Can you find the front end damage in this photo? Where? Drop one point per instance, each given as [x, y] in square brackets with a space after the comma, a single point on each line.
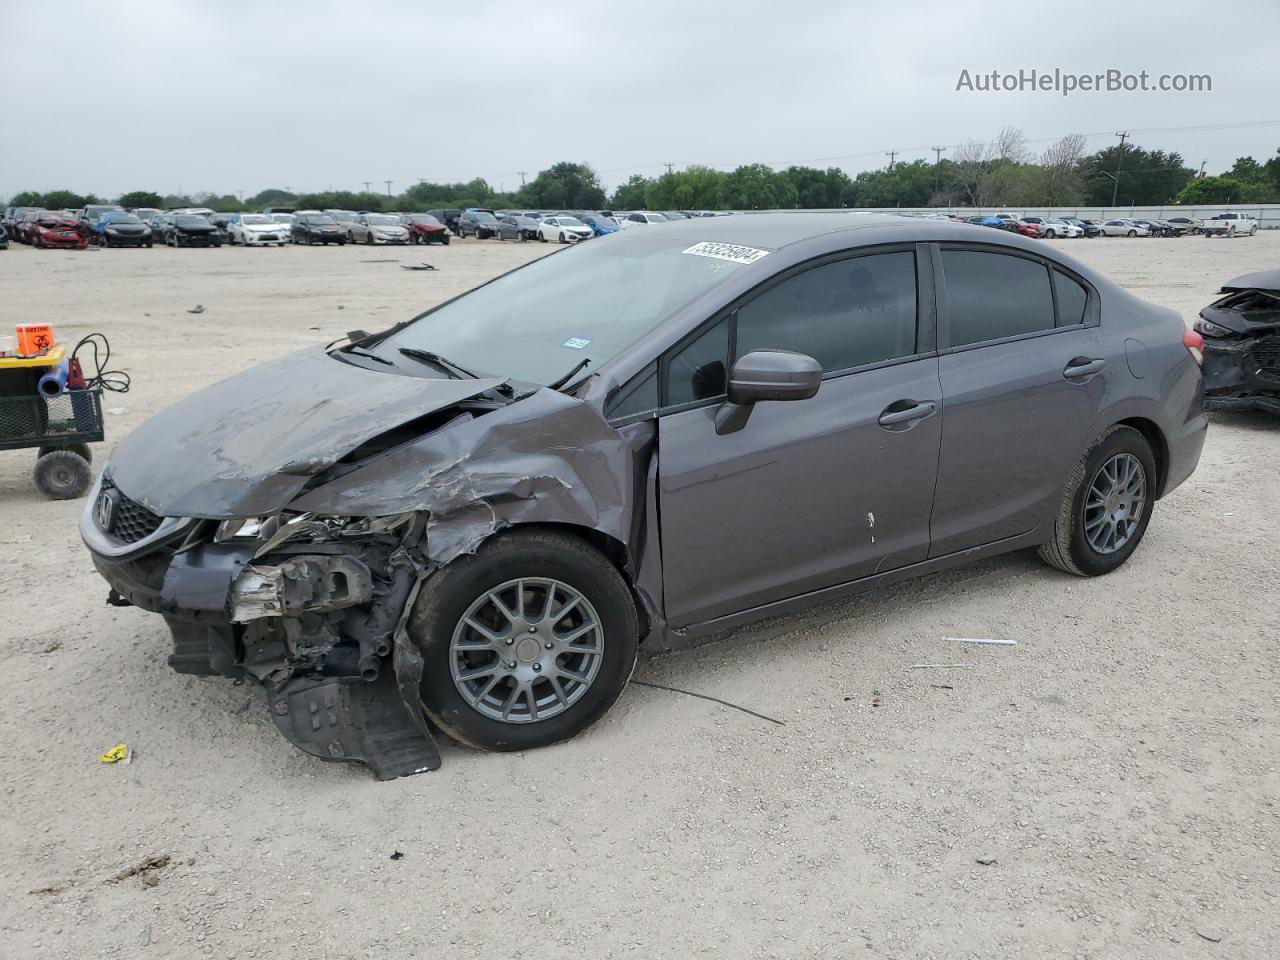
[295, 561]
[1241, 333]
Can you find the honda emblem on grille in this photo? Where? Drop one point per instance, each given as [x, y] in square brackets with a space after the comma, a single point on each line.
[106, 510]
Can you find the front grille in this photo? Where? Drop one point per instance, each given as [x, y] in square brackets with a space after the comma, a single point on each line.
[1266, 354]
[130, 521]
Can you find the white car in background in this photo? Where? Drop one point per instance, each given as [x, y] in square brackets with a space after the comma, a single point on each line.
[563, 230]
[1052, 228]
[374, 228]
[285, 220]
[1124, 227]
[641, 216]
[255, 230]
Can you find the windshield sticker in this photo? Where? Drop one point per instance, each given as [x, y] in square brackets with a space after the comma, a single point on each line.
[727, 251]
[575, 343]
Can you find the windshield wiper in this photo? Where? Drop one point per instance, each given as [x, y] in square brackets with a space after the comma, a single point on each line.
[569, 376]
[351, 349]
[426, 356]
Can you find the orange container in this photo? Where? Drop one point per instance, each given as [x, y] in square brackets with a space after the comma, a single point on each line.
[34, 338]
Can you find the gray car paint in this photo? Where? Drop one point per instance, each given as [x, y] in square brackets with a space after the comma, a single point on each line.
[810, 499]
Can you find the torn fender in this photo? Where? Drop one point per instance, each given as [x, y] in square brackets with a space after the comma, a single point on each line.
[547, 458]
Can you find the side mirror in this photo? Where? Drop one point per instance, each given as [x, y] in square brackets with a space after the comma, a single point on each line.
[766, 375]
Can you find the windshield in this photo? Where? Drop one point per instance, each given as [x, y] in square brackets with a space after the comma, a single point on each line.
[191, 221]
[485, 218]
[115, 218]
[591, 302]
[282, 217]
[321, 219]
[425, 220]
[254, 218]
[344, 215]
[383, 221]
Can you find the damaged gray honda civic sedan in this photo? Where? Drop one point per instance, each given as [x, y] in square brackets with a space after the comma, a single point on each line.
[469, 522]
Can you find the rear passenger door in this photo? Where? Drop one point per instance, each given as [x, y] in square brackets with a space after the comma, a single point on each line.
[809, 493]
[1024, 378]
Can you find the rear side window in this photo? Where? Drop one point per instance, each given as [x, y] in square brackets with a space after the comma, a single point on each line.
[1072, 299]
[991, 296]
[844, 314]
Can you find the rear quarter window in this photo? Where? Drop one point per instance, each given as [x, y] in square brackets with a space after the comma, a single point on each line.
[992, 296]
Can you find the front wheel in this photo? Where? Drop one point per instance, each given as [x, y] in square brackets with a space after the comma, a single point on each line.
[1106, 505]
[1132, 233]
[527, 642]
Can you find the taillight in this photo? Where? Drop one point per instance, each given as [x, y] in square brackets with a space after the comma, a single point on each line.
[1194, 344]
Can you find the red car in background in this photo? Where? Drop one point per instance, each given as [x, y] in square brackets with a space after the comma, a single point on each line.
[424, 228]
[49, 229]
[1028, 229]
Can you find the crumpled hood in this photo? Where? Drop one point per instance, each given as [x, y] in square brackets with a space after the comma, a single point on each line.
[247, 445]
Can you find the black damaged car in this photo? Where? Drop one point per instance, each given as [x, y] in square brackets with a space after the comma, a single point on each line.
[312, 228]
[190, 230]
[1241, 333]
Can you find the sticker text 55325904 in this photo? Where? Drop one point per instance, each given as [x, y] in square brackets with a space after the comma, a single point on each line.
[732, 252]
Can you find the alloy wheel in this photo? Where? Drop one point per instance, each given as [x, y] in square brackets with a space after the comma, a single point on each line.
[527, 650]
[1114, 503]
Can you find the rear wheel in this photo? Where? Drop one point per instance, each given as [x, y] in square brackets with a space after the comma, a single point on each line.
[1132, 233]
[527, 642]
[1106, 505]
[62, 475]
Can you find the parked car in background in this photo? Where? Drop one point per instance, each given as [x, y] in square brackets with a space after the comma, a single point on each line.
[25, 224]
[312, 228]
[1124, 227]
[1055, 227]
[643, 216]
[986, 221]
[256, 230]
[4, 235]
[374, 228]
[122, 230]
[563, 230]
[87, 217]
[449, 217]
[1229, 225]
[13, 216]
[600, 225]
[1241, 333]
[1184, 225]
[477, 223]
[285, 520]
[526, 226]
[505, 228]
[424, 228]
[192, 230]
[49, 229]
[160, 225]
[146, 214]
[1158, 228]
[285, 221]
[1027, 229]
[1088, 228]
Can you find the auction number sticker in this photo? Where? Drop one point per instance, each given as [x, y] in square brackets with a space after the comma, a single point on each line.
[732, 252]
[575, 343]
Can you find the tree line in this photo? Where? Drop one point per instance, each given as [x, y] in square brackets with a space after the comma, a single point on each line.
[1003, 172]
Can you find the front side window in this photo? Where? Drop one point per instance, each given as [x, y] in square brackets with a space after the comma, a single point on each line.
[991, 296]
[844, 314]
[699, 369]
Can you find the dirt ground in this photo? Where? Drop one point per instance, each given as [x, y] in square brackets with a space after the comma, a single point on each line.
[1119, 763]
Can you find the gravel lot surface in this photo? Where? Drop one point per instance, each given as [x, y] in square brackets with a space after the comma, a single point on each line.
[1117, 768]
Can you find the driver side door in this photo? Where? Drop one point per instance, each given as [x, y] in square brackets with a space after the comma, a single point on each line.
[809, 493]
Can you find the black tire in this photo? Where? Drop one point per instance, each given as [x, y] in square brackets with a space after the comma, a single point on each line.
[82, 449]
[446, 596]
[1253, 230]
[62, 475]
[444, 241]
[1132, 233]
[1069, 549]
[562, 239]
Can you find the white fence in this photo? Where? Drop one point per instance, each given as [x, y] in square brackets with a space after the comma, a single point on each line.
[1267, 214]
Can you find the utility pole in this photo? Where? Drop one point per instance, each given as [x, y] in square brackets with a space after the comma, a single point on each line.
[367, 185]
[1115, 188]
[1201, 173]
[522, 173]
[891, 154]
[668, 165]
[388, 183]
[937, 159]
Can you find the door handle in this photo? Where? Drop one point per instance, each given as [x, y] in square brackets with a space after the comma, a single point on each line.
[1080, 367]
[916, 411]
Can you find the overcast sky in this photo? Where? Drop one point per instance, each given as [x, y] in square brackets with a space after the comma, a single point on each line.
[234, 96]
